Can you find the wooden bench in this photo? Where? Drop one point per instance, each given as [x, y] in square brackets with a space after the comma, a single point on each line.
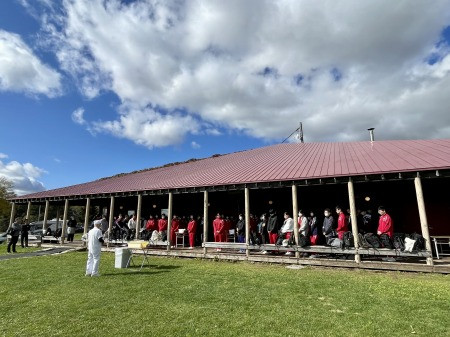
[317, 249]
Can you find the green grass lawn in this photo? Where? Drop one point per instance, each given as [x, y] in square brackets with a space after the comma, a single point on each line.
[19, 249]
[50, 296]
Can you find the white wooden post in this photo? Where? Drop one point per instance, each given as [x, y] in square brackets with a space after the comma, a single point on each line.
[13, 214]
[64, 225]
[351, 198]
[205, 220]
[44, 223]
[247, 220]
[169, 221]
[86, 218]
[28, 211]
[295, 216]
[423, 218]
[111, 220]
[138, 216]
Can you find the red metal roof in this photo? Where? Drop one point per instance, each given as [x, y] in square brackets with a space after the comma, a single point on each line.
[277, 163]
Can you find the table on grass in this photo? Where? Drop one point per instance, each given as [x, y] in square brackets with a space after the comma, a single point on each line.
[140, 246]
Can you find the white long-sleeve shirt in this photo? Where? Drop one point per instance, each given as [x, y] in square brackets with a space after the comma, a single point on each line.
[288, 226]
[132, 224]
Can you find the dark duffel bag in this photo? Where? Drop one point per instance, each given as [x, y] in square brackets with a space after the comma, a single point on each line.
[386, 241]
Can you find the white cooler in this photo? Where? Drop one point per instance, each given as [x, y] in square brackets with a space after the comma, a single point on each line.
[122, 257]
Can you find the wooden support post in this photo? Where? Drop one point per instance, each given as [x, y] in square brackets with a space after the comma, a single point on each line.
[351, 199]
[247, 220]
[205, 220]
[295, 216]
[169, 221]
[44, 223]
[138, 216]
[423, 218]
[57, 218]
[13, 214]
[64, 225]
[111, 220]
[86, 218]
[27, 217]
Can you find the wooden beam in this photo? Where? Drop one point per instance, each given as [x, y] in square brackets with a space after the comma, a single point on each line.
[111, 220]
[423, 217]
[205, 219]
[295, 215]
[354, 223]
[64, 225]
[247, 220]
[138, 216]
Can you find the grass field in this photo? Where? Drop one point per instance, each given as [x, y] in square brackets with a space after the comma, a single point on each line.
[50, 296]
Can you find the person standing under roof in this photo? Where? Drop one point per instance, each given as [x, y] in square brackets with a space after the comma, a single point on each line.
[240, 228]
[24, 233]
[14, 231]
[162, 226]
[192, 227]
[132, 227]
[342, 223]
[385, 223]
[175, 226]
[303, 224]
[288, 228]
[328, 226]
[314, 228]
[71, 226]
[105, 224]
[218, 225]
[95, 241]
[272, 227]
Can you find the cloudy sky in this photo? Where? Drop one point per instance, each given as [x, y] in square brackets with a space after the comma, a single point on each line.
[91, 88]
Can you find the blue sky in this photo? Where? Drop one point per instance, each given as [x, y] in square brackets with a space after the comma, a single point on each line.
[90, 88]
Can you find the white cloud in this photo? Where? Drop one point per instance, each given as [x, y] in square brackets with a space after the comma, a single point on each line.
[3, 156]
[78, 116]
[22, 71]
[148, 127]
[23, 176]
[260, 67]
[195, 145]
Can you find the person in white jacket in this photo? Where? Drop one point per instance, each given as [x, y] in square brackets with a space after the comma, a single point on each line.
[95, 241]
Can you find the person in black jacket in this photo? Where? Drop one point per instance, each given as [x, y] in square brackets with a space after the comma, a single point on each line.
[71, 227]
[24, 233]
[14, 231]
[328, 226]
[272, 227]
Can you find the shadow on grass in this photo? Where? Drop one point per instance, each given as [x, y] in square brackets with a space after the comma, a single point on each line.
[146, 270]
[136, 272]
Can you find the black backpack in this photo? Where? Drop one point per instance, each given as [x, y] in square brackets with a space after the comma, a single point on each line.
[399, 241]
[280, 239]
[349, 241]
[303, 241]
[386, 241]
[420, 241]
[371, 241]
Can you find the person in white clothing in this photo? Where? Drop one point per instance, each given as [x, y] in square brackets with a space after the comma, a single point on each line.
[288, 228]
[95, 241]
[131, 228]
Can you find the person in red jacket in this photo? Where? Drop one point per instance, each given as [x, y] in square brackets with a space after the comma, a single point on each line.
[173, 231]
[385, 224]
[192, 227]
[151, 224]
[218, 225]
[162, 224]
[342, 223]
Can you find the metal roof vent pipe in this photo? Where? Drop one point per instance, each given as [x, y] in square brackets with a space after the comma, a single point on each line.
[372, 138]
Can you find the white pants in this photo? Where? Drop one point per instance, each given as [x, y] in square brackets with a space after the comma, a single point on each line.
[92, 263]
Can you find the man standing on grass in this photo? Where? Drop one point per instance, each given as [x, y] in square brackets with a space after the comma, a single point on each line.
[95, 240]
